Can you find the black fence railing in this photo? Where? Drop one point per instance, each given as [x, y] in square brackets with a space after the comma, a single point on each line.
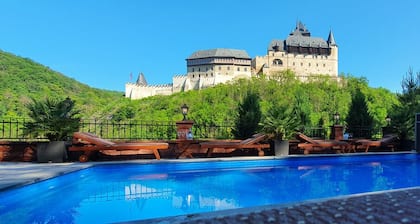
[353, 132]
[12, 129]
[317, 132]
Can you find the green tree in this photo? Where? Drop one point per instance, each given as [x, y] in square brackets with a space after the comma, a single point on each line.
[359, 118]
[249, 116]
[403, 115]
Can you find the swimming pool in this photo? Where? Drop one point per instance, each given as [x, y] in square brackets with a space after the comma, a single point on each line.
[124, 192]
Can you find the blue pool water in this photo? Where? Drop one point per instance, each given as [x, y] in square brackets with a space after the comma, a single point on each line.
[124, 192]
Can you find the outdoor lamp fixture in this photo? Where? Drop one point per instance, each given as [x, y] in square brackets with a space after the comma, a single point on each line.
[336, 117]
[388, 120]
[184, 110]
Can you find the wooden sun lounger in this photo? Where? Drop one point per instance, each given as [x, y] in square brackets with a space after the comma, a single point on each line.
[230, 146]
[386, 142]
[89, 143]
[309, 144]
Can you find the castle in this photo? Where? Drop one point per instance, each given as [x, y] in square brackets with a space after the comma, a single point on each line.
[305, 55]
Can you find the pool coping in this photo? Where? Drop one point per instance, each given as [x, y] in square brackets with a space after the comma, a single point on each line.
[391, 206]
[17, 174]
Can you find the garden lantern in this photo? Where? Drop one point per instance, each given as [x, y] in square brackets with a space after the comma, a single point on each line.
[336, 117]
[388, 121]
[184, 110]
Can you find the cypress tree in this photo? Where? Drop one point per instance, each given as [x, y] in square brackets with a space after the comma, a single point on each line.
[248, 117]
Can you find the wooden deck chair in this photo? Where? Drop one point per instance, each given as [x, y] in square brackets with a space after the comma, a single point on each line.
[88, 143]
[309, 144]
[385, 142]
[229, 146]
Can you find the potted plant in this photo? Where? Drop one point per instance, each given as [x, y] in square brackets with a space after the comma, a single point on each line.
[56, 120]
[279, 124]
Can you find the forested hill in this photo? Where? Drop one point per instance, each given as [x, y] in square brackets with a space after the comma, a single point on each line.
[317, 99]
[22, 79]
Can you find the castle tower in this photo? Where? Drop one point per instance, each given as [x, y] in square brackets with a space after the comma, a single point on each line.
[334, 49]
[300, 52]
[206, 68]
[141, 80]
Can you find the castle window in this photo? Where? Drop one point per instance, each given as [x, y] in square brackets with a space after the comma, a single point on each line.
[301, 64]
[193, 71]
[277, 62]
[294, 64]
[199, 69]
[239, 69]
[228, 68]
[220, 68]
[193, 76]
[324, 65]
[309, 64]
[245, 69]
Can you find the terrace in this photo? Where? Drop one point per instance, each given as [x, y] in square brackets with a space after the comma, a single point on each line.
[390, 206]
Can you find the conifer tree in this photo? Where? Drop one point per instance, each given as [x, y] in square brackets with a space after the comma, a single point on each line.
[248, 117]
[359, 120]
[403, 115]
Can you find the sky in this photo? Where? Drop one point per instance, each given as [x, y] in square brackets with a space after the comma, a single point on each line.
[107, 43]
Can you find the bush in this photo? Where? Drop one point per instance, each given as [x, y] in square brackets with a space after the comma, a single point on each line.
[52, 118]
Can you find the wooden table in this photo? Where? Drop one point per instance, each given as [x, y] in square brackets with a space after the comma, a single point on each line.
[185, 148]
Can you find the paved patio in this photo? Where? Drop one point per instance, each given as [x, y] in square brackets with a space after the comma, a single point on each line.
[15, 174]
[396, 206]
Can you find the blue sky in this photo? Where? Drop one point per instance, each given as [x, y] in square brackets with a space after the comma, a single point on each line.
[100, 42]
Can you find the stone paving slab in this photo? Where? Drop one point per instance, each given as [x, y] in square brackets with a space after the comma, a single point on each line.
[15, 174]
[396, 206]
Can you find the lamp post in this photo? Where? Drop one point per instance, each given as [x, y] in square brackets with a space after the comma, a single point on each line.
[336, 117]
[184, 110]
[388, 121]
[387, 129]
[183, 127]
[336, 129]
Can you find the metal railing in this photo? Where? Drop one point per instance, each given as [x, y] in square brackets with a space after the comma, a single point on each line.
[12, 129]
[354, 132]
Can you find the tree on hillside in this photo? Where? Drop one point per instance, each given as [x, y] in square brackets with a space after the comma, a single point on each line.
[249, 116]
[403, 114]
[359, 121]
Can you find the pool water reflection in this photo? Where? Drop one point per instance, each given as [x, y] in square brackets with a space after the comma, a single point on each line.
[124, 192]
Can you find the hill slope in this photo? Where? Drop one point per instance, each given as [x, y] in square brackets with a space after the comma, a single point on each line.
[22, 79]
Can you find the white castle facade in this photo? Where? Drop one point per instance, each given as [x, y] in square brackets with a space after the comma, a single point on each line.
[305, 55]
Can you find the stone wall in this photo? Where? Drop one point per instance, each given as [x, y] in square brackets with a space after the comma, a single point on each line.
[302, 64]
[17, 151]
[135, 91]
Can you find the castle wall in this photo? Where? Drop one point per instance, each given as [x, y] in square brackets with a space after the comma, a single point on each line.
[206, 71]
[134, 91]
[302, 64]
[179, 83]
